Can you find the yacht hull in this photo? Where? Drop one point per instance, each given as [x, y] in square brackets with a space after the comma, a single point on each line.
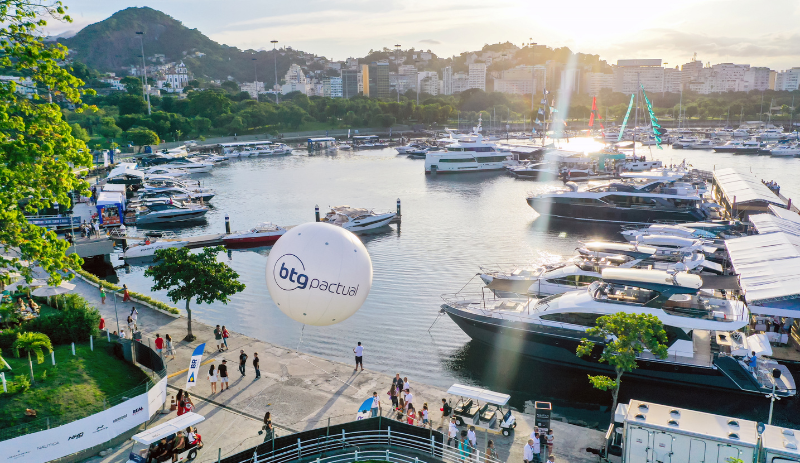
[591, 213]
[171, 217]
[558, 346]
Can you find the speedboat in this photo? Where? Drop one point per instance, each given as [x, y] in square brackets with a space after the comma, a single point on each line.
[263, 234]
[149, 248]
[632, 234]
[785, 151]
[467, 155]
[168, 213]
[279, 149]
[696, 323]
[357, 220]
[176, 193]
[738, 147]
[162, 171]
[192, 167]
[535, 170]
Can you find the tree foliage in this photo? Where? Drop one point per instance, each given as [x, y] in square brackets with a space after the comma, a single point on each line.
[625, 336]
[198, 276]
[37, 148]
[142, 137]
[32, 343]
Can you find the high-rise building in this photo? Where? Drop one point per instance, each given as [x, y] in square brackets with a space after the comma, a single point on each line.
[378, 73]
[757, 78]
[477, 76]
[633, 73]
[365, 80]
[349, 83]
[518, 81]
[332, 87]
[596, 81]
[673, 80]
[428, 82]
[252, 88]
[447, 80]
[460, 82]
[788, 80]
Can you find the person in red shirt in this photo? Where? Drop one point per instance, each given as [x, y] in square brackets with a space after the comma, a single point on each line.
[159, 345]
[102, 323]
[126, 295]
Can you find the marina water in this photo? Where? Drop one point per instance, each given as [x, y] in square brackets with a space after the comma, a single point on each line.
[451, 224]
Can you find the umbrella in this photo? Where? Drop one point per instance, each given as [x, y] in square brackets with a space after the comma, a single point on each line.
[48, 291]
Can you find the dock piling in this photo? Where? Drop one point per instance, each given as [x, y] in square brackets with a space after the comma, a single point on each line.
[316, 212]
[227, 224]
[398, 207]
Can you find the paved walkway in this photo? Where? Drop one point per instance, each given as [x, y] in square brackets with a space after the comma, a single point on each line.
[301, 391]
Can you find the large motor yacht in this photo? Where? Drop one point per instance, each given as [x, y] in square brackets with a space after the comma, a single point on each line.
[704, 347]
[357, 219]
[467, 155]
[657, 200]
[168, 213]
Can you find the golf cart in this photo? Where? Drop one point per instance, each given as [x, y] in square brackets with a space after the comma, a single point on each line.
[482, 408]
[146, 442]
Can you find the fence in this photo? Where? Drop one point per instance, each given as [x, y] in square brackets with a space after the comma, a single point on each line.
[370, 439]
[145, 356]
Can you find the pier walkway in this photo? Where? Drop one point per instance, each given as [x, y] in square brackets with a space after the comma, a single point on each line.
[300, 390]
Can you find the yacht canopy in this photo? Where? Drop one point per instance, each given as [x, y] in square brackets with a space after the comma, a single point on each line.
[747, 189]
[769, 268]
[483, 395]
[656, 277]
[785, 213]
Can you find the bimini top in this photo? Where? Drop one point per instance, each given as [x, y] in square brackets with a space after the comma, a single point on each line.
[746, 188]
[651, 278]
[484, 395]
[169, 428]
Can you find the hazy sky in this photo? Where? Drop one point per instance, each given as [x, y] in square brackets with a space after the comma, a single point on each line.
[740, 31]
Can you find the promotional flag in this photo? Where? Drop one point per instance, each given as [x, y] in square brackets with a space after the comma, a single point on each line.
[194, 365]
[594, 111]
[348, 133]
[625, 121]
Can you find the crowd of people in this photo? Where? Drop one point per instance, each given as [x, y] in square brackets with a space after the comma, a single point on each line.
[772, 185]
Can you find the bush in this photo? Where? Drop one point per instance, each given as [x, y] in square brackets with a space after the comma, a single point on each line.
[98, 281]
[21, 383]
[7, 337]
[153, 302]
[74, 323]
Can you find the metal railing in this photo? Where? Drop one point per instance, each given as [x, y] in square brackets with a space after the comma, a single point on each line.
[145, 356]
[387, 445]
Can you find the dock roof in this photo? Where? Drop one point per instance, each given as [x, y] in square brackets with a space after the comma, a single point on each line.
[747, 189]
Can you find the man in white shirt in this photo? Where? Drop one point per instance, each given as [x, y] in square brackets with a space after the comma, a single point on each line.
[408, 398]
[536, 446]
[527, 452]
[359, 351]
[376, 404]
[452, 433]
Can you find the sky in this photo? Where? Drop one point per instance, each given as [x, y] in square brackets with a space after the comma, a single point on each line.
[719, 31]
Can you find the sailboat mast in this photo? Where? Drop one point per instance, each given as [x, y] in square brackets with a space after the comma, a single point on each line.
[636, 115]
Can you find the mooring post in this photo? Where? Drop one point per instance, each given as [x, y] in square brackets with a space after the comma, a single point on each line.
[316, 212]
[227, 224]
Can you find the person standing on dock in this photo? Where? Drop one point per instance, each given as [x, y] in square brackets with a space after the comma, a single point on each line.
[218, 338]
[223, 375]
[452, 431]
[446, 410]
[102, 295]
[242, 362]
[159, 342]
[527, 452]
[134, 315]
[537, 447]
[256, 365]
[376, 405]
[225, 335]
[359, 351]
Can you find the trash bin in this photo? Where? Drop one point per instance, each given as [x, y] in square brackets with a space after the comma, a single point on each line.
[543, 411]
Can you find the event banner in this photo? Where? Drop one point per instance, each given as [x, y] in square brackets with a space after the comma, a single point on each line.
[194, 365]
[87, 432]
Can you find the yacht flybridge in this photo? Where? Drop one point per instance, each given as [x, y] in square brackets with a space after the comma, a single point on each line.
[468, 154]
[704, 348]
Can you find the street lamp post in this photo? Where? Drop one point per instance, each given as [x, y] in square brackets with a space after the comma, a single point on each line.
[397, 62]
[772, 397]
[275, 58]
[533, 76]
[146, 94]
[255, 76]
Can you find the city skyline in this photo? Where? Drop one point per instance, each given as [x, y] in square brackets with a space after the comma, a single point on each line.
[619, 29]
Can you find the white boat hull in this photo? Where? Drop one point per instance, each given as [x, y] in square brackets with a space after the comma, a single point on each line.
[369, 223]
[146, 250]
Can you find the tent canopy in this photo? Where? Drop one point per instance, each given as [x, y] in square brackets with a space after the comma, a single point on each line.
[745, 188]
[484, 395]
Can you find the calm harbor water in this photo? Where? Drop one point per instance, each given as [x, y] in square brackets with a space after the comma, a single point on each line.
[451, 224]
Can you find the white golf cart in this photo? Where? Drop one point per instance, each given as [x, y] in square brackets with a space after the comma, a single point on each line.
[482, 408]
[146, 443]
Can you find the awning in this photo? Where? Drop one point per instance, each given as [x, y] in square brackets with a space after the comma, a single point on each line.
[483, 395]
[167, 429]
[747, 189]
[729, 282]
[768, 223]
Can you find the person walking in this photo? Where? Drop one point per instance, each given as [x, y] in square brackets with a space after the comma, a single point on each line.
[223, 375]
[491, 452]
[242, 362]
[425, 421]
[126, 295]
[188, 405]
[102, 295]
[410, 414]
[463, 446]
[170, 347]
[452, 432]
[359, 351]
[256, 365]
[218, 338]
[135, 317]
[376, 405]
[473, 438]
[159, 342]
[537, 447]
[267, 427]
[179, 402]
[130, 324]
[393, 395]
[446, 411]
[225, 335]
[97, 229]
[527, 452]
[212, 378]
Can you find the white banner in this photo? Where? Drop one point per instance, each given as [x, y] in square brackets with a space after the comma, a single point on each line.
[194, 366]
[87, 432]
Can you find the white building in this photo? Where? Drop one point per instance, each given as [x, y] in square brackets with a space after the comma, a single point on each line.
[633, 73]
[757, 78]
[460, 82]
[177, 78]
[518, 81]
[24, 85]
[114, 82]
[332, 87]
[253, 88]
[403, 82]
[788, 80]
[447, 80]
[428, 82]
[477, 76]
[296, 81]
[596, 81]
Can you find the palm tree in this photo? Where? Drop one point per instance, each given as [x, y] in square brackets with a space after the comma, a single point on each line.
[32, 342]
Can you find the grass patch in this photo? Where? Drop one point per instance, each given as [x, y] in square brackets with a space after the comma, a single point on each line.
[76, 385]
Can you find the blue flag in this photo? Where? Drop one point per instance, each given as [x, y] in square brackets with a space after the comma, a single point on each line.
[194, 366]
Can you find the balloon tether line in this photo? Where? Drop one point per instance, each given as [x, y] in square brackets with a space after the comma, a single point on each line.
[301, 338]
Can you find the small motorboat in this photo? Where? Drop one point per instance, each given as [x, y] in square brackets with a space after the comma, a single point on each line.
[148, 248]
[534, 170]
[357, 220]
[263, 234]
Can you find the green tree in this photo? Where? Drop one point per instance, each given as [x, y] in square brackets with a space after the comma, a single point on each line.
[187, 275]
[142, 137]
[108, 128]
[231, 86]
[209, 103]
[132, 104]
[133, 85]
[79, 132]
[32, 342]
[624, 337]
[37, 149]
[201, 124]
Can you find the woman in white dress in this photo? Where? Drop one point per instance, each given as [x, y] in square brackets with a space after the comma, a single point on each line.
[170, 347]
[212, 378]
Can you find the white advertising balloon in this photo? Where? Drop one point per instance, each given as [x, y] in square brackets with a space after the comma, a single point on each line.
[319, 274]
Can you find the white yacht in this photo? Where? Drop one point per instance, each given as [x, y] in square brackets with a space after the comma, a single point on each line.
[162, 171]
[774, 133]
[470, 154]
[176, 193]
[785, 151]
[187, 165]
[169, 213]
[280, 149]
[357, 219]
[697, 322]
[148, 248]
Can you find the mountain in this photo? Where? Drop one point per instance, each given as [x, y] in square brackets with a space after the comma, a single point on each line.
[112, 45]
